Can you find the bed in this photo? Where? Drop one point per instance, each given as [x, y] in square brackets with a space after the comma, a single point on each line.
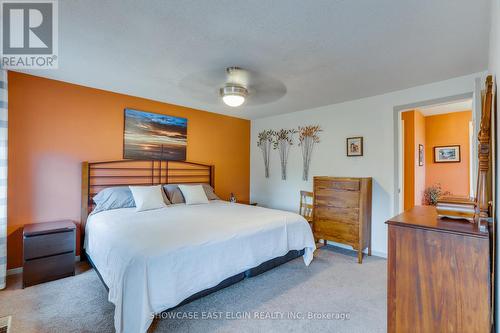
[152, 261]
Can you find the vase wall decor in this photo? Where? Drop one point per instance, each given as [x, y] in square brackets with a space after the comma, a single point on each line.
[265, 139]
[283, 140]
[308, 137]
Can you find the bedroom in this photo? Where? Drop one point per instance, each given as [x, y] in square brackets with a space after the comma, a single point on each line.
[322, 85]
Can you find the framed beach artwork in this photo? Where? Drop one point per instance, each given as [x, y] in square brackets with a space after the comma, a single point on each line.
[354, 146]
[153, 136]
[447, 154]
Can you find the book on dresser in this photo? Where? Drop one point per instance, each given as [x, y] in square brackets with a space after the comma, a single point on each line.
[342, 211]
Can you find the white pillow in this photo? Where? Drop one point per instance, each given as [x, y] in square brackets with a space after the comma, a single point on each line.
[147, 197]
[193, 194]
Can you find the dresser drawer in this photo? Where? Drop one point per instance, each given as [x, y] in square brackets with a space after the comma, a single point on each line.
[37, 246]
[48, 268]
[336, 198]
[337, 231]
[337, 214]
[346, 185]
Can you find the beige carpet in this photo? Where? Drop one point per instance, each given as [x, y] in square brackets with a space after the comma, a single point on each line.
[333, 285]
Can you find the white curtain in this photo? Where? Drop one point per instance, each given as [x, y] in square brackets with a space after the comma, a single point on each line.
[3, 177]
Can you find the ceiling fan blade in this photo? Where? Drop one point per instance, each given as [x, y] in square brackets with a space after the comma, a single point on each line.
[204, 86]
[263, 89]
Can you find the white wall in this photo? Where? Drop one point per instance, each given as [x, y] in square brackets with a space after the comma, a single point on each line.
[371, 118]
[494, 60]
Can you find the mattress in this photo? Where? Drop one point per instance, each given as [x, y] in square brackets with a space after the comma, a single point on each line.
[153, 260]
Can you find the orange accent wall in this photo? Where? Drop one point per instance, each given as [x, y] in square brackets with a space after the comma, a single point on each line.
[443, 130]
[54, 126]
[420, 171]
[414, 175]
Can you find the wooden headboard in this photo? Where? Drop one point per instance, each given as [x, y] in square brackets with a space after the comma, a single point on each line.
[100, 175]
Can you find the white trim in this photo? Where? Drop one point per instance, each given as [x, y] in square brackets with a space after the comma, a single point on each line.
[19, 270]
[476, 122]
[471, 160]
[401, 166]
[14, 271]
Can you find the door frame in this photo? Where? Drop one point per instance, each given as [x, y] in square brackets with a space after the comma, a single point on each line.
[398, 140]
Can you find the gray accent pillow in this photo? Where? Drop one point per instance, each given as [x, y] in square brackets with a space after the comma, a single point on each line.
[113, 198]
[175, 195]
[210, 192]
[117, 197]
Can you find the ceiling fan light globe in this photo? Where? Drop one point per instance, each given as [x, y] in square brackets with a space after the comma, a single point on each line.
[233, 100]
[233, 95]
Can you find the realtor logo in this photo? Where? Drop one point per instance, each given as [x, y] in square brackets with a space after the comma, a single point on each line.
[29, 34]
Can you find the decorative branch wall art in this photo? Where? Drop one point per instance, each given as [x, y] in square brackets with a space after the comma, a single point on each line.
[308, 136]
[265, 139]
[283, 140]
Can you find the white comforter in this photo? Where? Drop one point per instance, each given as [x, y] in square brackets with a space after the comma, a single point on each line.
[153, 260]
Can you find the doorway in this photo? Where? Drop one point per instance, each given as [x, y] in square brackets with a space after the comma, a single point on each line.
[436, 148]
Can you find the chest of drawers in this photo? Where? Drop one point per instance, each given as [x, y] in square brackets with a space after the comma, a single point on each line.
[342, 211]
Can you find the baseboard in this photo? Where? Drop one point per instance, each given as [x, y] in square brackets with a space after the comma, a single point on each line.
[14, 271]
[19, 270]
[347, 247]
[379, 254]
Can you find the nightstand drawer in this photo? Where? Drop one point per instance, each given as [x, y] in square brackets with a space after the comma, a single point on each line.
[37, 246]
[49, 268]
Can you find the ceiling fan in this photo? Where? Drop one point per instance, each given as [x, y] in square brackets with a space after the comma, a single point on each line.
[234, 86]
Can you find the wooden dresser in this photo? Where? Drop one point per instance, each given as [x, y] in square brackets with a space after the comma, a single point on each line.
[438, 274]
[343, 211]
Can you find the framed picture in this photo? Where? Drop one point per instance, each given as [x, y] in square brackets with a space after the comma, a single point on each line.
[420, 155]
[355, 146]
[152, 136]
[447, 154]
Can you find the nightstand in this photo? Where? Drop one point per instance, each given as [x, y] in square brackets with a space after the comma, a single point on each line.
[48, 251]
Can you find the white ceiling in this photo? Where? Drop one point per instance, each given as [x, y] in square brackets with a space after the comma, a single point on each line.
[458, 106]
[323, 51]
